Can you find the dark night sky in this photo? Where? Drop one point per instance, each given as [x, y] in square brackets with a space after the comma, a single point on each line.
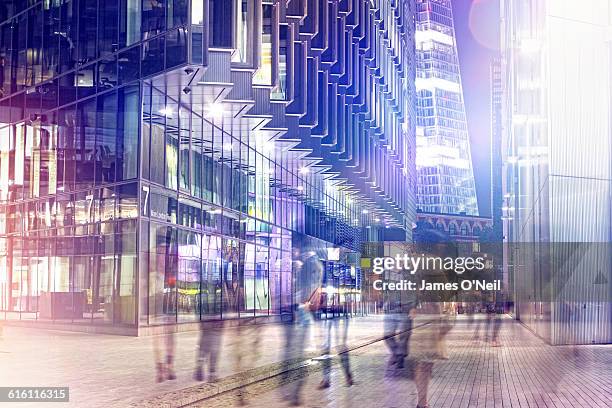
[477, 31]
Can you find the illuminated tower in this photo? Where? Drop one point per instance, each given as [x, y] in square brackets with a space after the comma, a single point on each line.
[444, 163]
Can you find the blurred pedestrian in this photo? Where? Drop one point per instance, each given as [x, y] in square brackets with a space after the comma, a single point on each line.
[209, 344]
[397, 330]
[336, 329]
[309, 273]
[247, 349]
[164, 301]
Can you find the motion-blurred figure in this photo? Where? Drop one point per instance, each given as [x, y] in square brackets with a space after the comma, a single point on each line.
[397, 330]
[247, 349]
[494, 323]
[163, 345]
[164, 301]
[427, 344]
[295, 340]
[339, 326]
[309, 272]
[209, 344]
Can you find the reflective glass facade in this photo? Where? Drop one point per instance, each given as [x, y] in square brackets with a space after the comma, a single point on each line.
[444, 161]
[175, 161]
[557, 170]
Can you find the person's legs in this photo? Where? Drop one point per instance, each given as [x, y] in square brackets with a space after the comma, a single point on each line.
[405, 330]
[344, 352]
[213, 354]
[198, 373]
[296, 334]
[326, 350]
[170, 353]
[390, 328]
[496, 326]
[422, 376]
[158, 353]
[302, 334]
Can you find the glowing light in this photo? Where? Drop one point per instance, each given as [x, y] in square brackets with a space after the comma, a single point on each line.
[166, 111]
[215, 110]
[512, 159]
[330, 289]
[264, 145]
[227, 147]
[304, 170]
[482, 22]
[300, 188]
[364, 211]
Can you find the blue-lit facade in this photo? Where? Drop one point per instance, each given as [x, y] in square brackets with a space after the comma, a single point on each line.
[176, 161]
[557, 173]
[444, 161]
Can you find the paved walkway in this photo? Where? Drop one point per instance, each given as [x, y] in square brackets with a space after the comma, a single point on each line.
[104, 371]
[521, 372]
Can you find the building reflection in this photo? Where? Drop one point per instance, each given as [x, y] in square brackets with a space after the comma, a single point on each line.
[136, 135]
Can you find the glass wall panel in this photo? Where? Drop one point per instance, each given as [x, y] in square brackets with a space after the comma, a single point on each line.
[230, 278]
[85, 143]
[68, 35]
[153, 17]
[244, 16]
[162, 274]
[108, 27]
[220, 18]
[152, 60]
[88, 23]
[188, 278]
[106, 150]
[261, 292]
[143, 273]
[171, 112]
[34, 44]
[129, 65]
[264, 74]
[211, 290]
[177, 11]
[176, 47]
[129, 22]
[82, 267]
[128, 104]
[104, 276]
[184, 148]
[158, 143]
[125, 290]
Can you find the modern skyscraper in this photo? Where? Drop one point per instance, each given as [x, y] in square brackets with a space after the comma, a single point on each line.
[182, 161]
[444, 163]
[557, 65]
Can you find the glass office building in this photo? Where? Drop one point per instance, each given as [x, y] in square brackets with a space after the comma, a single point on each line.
[444, 160]
[556, 112]
[178, 161]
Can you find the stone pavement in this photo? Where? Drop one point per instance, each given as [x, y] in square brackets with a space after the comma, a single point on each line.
[105, 370]
[521, 372]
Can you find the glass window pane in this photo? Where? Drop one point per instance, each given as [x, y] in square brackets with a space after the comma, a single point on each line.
[127, 132]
